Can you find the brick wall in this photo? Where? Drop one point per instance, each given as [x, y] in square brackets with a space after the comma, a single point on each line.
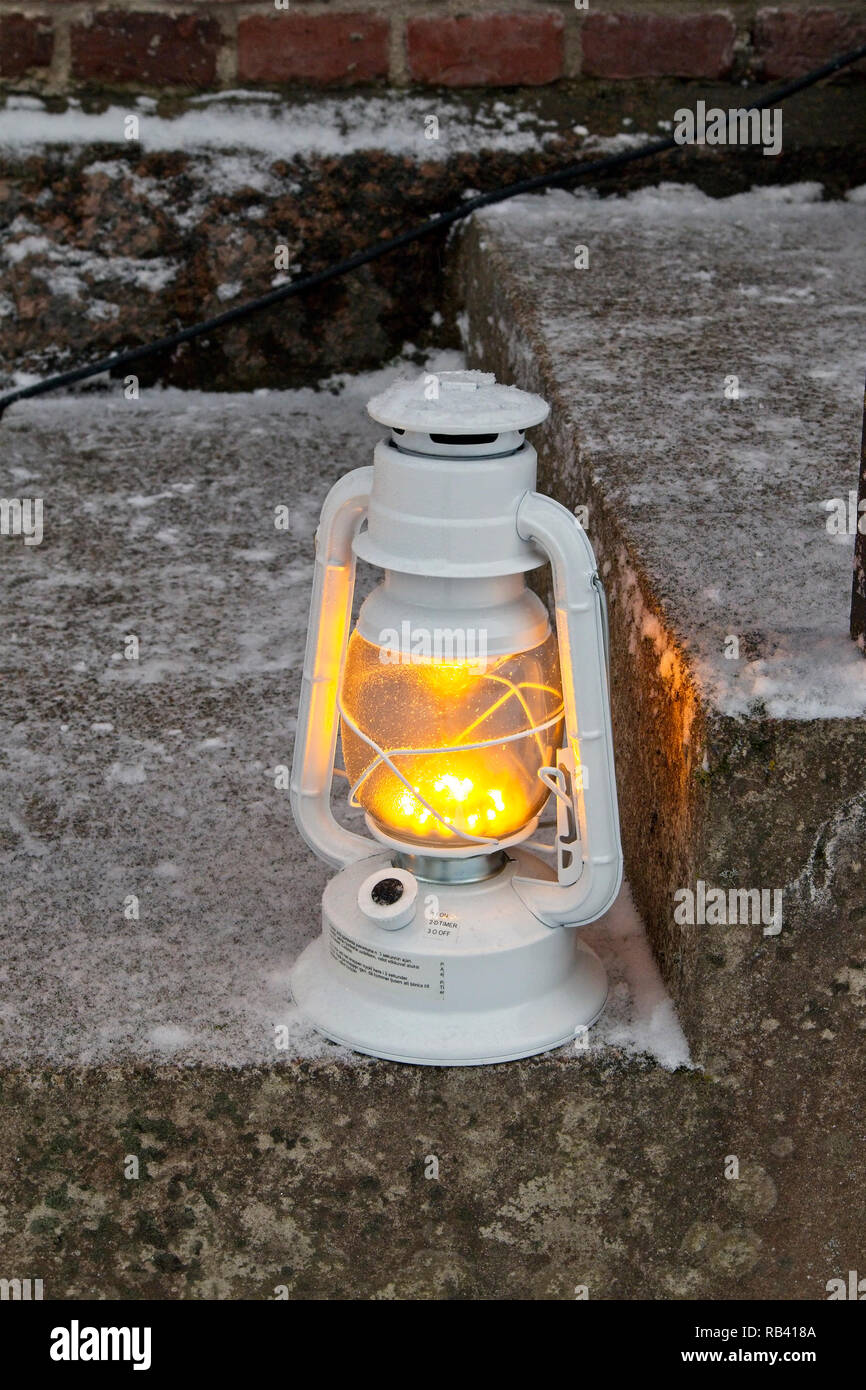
[154, 45]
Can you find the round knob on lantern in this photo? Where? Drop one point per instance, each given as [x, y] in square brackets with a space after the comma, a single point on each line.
[388, 898]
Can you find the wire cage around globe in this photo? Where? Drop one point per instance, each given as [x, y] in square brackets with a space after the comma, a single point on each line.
[445, 754]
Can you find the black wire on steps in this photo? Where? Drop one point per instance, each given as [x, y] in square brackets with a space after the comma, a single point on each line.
[569, 173]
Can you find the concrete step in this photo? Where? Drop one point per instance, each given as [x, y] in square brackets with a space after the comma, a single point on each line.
[129, 779]
[305, 1169]
[124, 219]
[738, 696]
[161, 895]
[152, 1039]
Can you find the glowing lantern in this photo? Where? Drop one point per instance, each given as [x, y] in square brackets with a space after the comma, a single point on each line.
[461, 714]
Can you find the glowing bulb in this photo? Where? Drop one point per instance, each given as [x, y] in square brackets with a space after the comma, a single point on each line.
[459, 787]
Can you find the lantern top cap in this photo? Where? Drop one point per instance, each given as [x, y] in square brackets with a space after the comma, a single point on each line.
[463, 402]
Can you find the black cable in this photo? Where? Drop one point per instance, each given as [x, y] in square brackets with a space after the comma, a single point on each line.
[383, 248]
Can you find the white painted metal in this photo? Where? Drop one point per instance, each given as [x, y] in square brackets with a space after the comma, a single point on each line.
[464, 402]
[589, 735]
[450, 517]
[327, 634]
[474, 978]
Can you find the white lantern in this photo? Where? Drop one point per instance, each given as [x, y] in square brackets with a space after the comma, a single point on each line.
[445, 939]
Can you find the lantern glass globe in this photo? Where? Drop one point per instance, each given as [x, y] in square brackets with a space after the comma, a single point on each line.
[444, 753]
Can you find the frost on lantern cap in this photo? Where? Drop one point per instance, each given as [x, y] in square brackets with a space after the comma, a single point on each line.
[460, 403]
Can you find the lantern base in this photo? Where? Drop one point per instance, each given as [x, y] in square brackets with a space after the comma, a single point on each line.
[475, 978]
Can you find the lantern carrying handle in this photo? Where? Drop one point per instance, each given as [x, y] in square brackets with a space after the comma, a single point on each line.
[327, 635]
[589, 853]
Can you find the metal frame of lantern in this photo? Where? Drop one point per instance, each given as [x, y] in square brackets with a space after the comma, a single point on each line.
[458, 950]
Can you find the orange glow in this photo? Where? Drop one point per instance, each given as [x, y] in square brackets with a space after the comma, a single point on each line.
[464, 799]
[486, 793]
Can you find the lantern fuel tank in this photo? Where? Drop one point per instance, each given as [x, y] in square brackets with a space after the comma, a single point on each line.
[462, 711]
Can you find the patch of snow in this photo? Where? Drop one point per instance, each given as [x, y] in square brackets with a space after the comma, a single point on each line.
[168, 1038]
[261, 557]
[101, 310]
[233, 94]
[64, 267]
[395, 122]
[640, 1018]
[16, 251]
[125, 775]
[807, 676]
[615, 144]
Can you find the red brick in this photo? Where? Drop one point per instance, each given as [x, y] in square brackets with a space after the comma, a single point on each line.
[319, 49]
[791, 42]
[24, 44]
[487, 50]
[157, 50]
[656, 45]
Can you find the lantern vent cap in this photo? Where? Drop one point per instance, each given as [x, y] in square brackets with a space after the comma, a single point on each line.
[457, 403]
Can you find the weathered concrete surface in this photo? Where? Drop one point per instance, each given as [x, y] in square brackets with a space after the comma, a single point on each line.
[598, 1171]
[125, 782]
[312, 1177]
[306, 1172]
[707, 518]
[107, 242]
